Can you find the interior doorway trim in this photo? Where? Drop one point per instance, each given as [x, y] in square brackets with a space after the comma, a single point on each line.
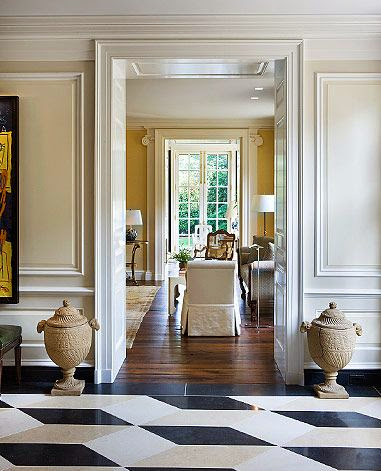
[161, 135]
[107, 361]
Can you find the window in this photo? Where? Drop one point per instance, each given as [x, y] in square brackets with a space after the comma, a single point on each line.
[204, 184]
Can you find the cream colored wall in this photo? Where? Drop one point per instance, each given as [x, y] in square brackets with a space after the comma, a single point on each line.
[56, 193]
[137, 188]
[342, 192]
[265, 176]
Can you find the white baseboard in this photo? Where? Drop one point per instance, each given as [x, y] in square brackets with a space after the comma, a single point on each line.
[142, 275]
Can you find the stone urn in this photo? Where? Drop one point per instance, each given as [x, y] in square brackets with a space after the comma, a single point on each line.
[67, 336]
[331, 342]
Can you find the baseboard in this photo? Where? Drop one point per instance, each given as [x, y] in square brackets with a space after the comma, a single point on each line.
[142, 275]
[44, 374]
[346, 377]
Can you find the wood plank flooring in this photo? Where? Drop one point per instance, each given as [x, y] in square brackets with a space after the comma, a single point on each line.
[161, 355]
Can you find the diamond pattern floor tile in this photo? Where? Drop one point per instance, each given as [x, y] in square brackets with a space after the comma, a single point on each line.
[74, 416]
[289, 432]
[205, 436]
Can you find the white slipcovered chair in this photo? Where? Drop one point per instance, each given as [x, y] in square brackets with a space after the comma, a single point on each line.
[210, 306]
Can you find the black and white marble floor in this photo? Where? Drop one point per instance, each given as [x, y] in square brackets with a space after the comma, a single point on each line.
[182, 432]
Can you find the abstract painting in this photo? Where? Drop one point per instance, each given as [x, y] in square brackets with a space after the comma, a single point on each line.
[9, 289]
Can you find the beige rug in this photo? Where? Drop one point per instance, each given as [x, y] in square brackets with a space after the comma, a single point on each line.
[139, 300]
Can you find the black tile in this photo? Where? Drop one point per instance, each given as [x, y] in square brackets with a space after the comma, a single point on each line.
[146, 389]
[333, 419]
[179, 469]
[4, 405]
[44, 454]
[74, 416]
[194, 389]
[193, 435]
[362, 391]
[27, 388]
[343, 458]
[205, 402]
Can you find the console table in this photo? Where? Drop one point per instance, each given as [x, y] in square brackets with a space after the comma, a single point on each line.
[136, 245]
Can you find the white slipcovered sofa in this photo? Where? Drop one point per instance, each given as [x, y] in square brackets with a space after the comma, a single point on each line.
[210, 305]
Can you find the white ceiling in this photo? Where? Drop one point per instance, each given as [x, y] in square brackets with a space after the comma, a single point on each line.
[184, 7]
[199, 99]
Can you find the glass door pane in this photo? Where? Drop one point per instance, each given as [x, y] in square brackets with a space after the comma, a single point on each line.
[218, 189]
[188, 198]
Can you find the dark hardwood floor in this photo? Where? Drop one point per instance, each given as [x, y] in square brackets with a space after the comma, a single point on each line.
[161, 355]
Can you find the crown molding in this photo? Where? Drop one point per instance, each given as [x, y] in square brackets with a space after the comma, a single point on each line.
[140, 124]
[191, 27]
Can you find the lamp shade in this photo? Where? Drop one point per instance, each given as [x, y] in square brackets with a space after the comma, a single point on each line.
[263, 203]
[134, 217]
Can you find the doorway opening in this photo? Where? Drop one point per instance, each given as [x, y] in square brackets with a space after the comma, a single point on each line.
[285, 89]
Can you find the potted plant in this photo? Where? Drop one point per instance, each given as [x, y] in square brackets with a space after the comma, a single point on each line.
[182, 256]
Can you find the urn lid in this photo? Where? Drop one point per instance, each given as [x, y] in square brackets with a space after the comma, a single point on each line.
[66, 316]
[332, 318]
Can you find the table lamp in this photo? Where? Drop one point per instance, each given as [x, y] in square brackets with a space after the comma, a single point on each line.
[133, 218]
[263, 204]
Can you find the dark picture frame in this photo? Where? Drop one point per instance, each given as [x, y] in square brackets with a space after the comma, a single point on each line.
[9, 199]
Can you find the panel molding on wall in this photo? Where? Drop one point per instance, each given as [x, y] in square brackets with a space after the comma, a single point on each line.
[34, 352]
[323, 267]
[76, 268]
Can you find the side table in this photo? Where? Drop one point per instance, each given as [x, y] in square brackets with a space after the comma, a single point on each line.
[176, 277]
[136, 245]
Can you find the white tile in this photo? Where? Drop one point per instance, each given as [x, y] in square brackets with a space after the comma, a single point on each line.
[216, 418]
[141, 410]
[129, 446]
[14, 421]
[86, 401]
[4, 464]
[266, 402]
[339, 437]
[278, 459]
[372, 409]
[203, 456]
[304, 403]
[273, 428]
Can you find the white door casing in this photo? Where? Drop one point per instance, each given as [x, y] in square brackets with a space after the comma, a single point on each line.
[110, 224]
[107, 51]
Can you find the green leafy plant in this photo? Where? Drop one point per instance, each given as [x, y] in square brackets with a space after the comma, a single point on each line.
[182, 256]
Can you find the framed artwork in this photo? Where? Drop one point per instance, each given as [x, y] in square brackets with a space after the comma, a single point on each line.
[9, 230]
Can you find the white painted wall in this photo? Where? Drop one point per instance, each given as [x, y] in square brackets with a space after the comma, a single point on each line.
[342, 195]
[356, 49]
[56, 194]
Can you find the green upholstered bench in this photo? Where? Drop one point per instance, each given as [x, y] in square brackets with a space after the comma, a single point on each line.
[10, 337]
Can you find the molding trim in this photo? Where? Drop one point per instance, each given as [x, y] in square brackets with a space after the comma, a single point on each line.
[343, 293]
[56, 291]
[190, 26]
[256, 139]
[77, 267]
[147, 139]
[322, 266]
[162, 123]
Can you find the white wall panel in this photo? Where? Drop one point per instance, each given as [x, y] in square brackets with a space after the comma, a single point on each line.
[56, 195]
[348, 205]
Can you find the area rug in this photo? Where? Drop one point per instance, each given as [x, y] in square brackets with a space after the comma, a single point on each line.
[138, 302]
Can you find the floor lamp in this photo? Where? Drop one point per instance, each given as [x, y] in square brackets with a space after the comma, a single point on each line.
[263, 204]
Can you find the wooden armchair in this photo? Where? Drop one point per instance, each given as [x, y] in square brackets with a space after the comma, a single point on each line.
[220, 245]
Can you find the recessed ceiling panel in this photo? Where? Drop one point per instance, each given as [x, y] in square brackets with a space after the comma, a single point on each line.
[188, 68]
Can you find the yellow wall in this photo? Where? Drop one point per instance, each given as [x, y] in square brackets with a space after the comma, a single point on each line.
[265, 176]
[137, 187]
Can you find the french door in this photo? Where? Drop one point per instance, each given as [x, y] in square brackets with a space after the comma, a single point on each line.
[204, 185]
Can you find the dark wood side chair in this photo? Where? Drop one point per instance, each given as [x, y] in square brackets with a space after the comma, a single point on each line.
[10, 337]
